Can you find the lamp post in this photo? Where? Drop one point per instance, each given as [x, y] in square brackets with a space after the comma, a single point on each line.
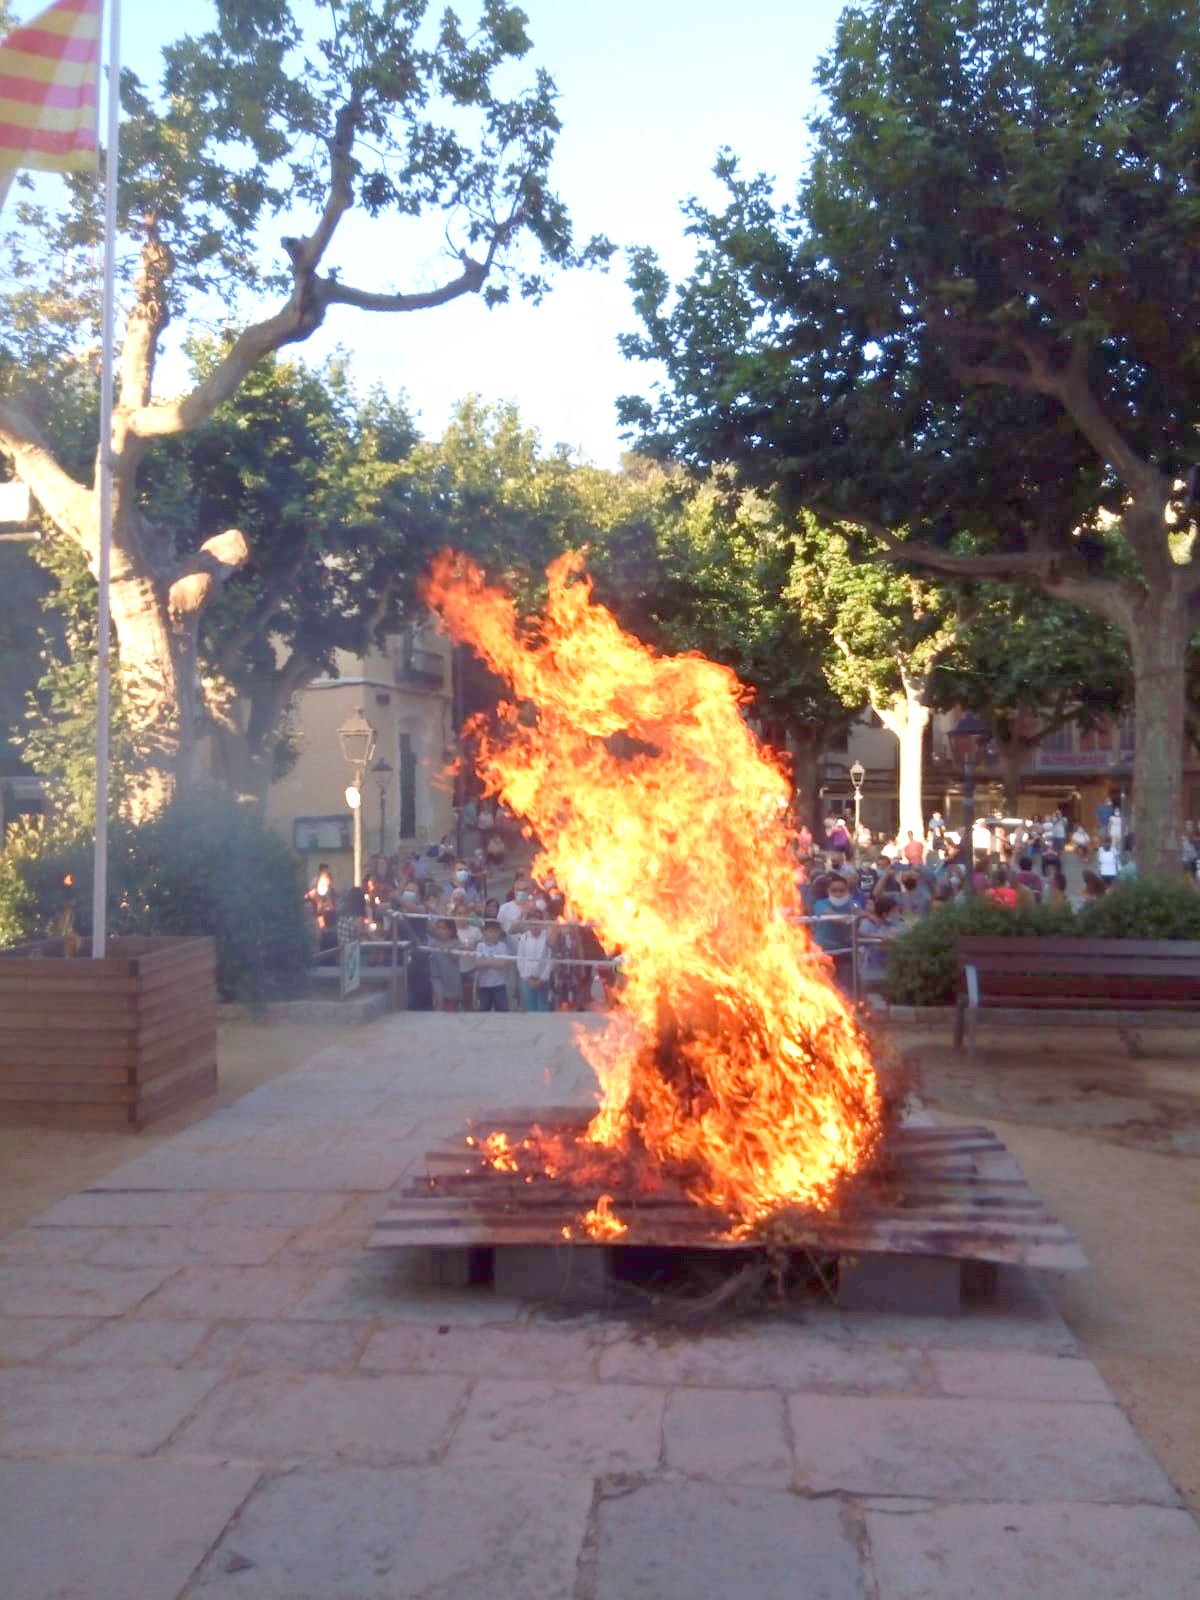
[357, 739]
[382, 771]
[969, 739]
[858, 775]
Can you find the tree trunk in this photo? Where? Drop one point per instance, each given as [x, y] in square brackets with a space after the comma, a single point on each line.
[153, 686]
[907, 716]
[1012, 759]
[1159, 645]
[806, 741]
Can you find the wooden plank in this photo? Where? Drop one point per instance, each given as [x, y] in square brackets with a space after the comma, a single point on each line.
[31, 1048]
[60, 1093]
[197, 1086]
[151, 1064]
[40, 1114]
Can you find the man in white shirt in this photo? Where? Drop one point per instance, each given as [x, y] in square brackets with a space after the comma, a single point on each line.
[514, 910]
[1108, 862]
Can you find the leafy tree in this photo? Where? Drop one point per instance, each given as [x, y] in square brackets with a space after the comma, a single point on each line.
[256, 121]
[977, 333]
[709, 572]
[891, 630]
[1029, 666]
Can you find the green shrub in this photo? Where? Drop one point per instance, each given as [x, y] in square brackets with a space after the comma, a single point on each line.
[921, 967]
[1136, 910]
[204, 866]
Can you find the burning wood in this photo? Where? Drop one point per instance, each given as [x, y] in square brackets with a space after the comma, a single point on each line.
[731, 1063]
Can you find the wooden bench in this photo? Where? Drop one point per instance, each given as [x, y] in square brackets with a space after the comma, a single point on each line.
[1126, 979]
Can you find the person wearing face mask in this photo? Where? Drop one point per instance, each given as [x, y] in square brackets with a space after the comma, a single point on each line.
[833, 936]
[460, 887]
[516, 908]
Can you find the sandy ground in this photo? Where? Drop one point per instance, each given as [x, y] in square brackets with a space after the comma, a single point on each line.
[1113, 1146]
[1111, 1143]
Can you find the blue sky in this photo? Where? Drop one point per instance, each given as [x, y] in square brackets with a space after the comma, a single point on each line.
[649, 90]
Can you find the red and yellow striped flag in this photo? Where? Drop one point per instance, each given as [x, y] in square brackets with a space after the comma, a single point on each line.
[49, 70]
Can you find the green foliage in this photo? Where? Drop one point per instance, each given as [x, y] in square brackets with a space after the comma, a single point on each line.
[921, 969]
[1143, 910]
[59, 738]
[202, 866]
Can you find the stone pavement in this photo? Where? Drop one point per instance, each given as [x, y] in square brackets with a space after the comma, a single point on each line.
[210, 1390]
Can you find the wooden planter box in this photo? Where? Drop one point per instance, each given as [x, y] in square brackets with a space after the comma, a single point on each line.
[115, 1043]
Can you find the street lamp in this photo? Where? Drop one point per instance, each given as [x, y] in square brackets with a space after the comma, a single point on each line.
[357, 739]
[969, 739]
[382, 770]
[858, 775]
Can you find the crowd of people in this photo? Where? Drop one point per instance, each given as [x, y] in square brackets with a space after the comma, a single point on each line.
[465, 949]
[860, 890]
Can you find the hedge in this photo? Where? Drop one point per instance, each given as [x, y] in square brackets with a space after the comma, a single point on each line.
[204, 866]
[922, 963]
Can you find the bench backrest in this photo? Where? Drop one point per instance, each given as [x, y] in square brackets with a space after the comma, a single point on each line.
[1111, 970]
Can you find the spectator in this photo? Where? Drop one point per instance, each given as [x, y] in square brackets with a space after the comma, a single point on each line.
[492, 966]
[836, 835]
[496, 849]
[516, 907]
[323, 904]
[1001, 892]
[1108, 862]
[1094, 886]
[937, 830]
[535, 965]
[880, 923]
[445, 966]
[413, 928]
[461, 886]
[1081, 839]
[1027, 878]
[913, 850]
[833, 937]
[914, 896]
[352, 918]
[1056, 888]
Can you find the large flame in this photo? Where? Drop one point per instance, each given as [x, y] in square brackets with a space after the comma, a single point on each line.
[730, 1060]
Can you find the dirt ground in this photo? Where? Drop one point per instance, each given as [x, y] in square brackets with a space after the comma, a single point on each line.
[1112, 1144]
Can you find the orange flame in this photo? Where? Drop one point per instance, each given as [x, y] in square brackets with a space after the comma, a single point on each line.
[68, 882]
[729, 1060]
[601, 1222]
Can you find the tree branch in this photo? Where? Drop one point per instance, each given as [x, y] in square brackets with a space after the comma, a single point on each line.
[212, 566]
[147, 320]
[68, 503]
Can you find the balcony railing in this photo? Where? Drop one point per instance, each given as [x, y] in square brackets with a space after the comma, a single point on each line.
[420, 669]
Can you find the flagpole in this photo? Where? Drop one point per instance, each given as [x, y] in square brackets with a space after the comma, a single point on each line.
[104, 473]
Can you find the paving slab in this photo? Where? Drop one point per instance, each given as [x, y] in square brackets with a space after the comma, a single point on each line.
[1017, 1375]
[503, 1352]
[972, 1450]
[784, 1358]
[95, 1411]
[76, 1290]
[113, 1530]
[373, 1420]
[241, 1168]
[679, 1541]
[731, 1435]
[135, 1342]
[178, 1247]
[52, 1245]
[1035, 1552]
[35, 1338]
[214, 1292]
[547, 1427]
[93, 1208]
[355, 1534]
[284, 1346]
[233, 1209]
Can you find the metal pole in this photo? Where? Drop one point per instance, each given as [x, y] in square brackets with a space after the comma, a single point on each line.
[104, 477]
[382, 816]
[358, 831]
[857, 811]
[969, 822]
[460, 781]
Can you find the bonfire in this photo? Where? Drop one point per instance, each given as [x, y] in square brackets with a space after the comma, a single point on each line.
[730, 1068]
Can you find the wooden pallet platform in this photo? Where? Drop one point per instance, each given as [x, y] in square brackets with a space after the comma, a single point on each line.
[954, 1193]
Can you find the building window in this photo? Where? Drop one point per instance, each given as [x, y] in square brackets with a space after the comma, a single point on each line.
[321, 833]
[1061, 742]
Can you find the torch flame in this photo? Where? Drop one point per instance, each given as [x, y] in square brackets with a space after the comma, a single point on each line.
[730, 1060]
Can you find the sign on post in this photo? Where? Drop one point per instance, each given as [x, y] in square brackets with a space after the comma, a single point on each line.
[351, 967]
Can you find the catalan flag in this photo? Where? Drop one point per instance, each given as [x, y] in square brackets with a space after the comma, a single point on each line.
[48, 90]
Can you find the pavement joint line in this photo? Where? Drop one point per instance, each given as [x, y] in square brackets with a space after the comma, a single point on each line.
[438, 1454]
[233, 1516]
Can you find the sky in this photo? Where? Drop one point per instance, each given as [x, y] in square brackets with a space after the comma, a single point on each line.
[650, 89]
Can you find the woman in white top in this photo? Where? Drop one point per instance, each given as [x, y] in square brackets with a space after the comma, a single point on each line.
[534, 966]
